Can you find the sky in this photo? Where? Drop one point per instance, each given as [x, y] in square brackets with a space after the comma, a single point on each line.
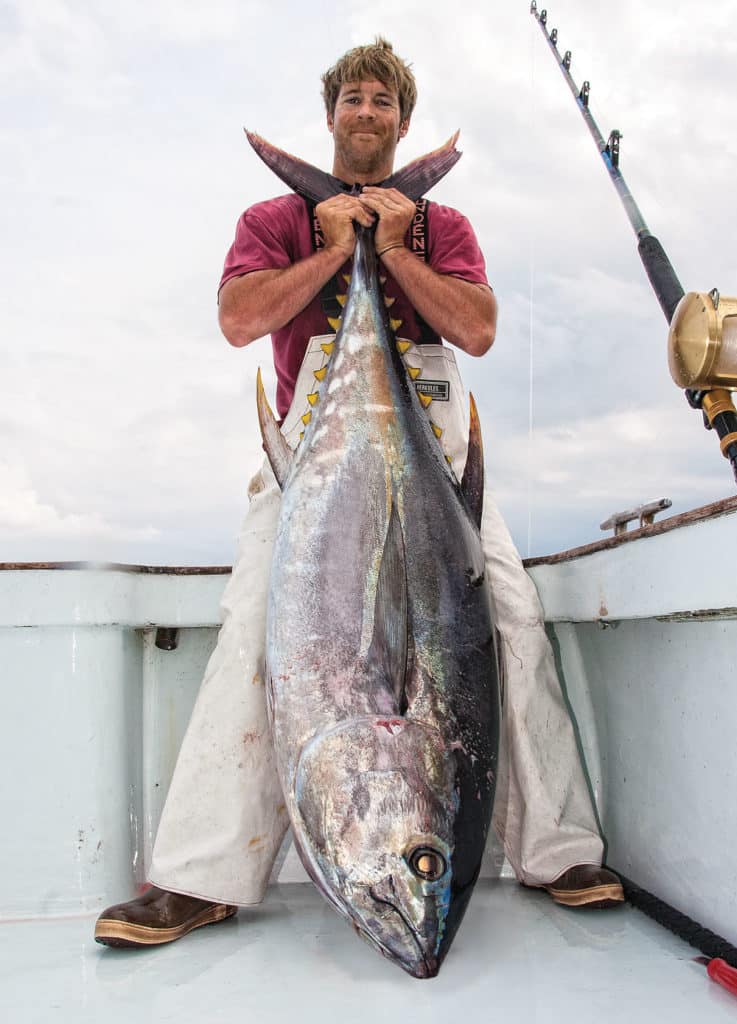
[128, 428]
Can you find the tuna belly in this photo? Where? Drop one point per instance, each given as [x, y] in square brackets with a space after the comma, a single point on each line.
[321, 605]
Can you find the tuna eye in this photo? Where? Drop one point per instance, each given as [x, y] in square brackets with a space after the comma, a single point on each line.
[427, 863]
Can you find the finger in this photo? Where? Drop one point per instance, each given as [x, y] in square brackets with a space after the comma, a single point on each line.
[360, 212]
[387, 194]
[347, 208]
[336, 202]
[377, 190]
[377, 204]
[388, 204]
[365, 217]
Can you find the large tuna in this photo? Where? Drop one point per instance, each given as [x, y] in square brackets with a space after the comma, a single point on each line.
[383, 683]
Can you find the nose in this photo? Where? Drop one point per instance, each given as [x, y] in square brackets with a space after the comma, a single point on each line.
[426, 968]
[365, 110]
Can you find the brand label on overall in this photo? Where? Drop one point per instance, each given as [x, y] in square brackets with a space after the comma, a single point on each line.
[438, 390]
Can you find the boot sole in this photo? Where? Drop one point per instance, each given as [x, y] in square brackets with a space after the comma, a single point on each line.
[110, 932]
[597, 896]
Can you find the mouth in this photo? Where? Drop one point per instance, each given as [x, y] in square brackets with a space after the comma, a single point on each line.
[428, 968]
[425, 965]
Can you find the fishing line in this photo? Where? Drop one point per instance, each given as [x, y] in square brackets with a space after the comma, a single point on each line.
[531, 376]
[531, 305]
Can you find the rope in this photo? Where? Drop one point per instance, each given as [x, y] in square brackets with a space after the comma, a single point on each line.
[695, 934]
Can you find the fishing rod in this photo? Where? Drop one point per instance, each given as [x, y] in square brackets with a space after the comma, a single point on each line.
[702, 341]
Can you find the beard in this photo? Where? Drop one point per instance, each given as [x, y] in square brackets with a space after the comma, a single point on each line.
[364, 159]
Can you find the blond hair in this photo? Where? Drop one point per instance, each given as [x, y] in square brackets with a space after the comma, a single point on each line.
[377, 61]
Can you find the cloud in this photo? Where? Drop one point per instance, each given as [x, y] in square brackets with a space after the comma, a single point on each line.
[559, 484]
[24, 514]
[129, 418]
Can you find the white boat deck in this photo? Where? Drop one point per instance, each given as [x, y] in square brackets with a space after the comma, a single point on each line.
[644, 629]
[517, 957]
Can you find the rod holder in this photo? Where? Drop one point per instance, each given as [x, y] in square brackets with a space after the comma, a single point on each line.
[167, 638]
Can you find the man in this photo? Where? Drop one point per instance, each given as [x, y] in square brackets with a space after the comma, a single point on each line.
[224, 818]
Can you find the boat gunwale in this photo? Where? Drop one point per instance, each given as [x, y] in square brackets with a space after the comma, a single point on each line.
[714, 510]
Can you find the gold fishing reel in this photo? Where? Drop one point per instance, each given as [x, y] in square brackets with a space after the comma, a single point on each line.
[702, 342]
[702, 357]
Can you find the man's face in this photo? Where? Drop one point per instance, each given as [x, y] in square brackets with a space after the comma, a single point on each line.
[366, 128]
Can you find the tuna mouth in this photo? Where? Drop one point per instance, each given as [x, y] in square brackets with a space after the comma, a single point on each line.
[426, 966]
[427, 969]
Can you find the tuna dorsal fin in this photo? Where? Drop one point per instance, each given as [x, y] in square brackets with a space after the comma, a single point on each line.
[277, 449]
[302, 178]
[418, 177]
[472, 483]
[388, 649]
[414, 180]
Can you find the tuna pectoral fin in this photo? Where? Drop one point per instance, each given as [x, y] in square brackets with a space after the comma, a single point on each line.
[277, 449]
[388, 650]
[472, 483]
[303, 178]
[417, 178]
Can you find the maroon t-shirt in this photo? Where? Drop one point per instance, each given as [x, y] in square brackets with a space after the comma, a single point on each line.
[277, 233]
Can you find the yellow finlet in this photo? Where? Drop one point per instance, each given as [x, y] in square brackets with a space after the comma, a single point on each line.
[404, 346]
[327, 347]
[346, 278]
[313, 398]
[301, 434]
[449, 460]
[334, 322]
[395, 324]
[382, 281]
[307, 417]
[341, 299]
[321, 373]
[425, 399]
[437, 431]
[414, 372]
[389, 300]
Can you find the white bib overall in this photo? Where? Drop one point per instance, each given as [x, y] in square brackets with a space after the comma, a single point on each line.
[224, 817]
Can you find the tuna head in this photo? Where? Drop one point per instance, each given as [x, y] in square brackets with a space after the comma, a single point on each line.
[378, 802]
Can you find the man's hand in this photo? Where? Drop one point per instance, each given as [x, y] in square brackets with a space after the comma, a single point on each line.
[264, 301]
[336, 216]
[395, 212]
[462, 313]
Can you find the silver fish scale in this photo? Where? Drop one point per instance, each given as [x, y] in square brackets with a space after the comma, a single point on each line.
[374, 761]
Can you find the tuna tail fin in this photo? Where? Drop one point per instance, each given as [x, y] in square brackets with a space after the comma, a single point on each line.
[472, 483]
[277, 449]
[389, 643]
[419, 176]
[304, 179]
[414, 180]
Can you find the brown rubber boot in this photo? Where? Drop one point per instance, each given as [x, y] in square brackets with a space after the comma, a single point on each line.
[587, 885]
[156, 917]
